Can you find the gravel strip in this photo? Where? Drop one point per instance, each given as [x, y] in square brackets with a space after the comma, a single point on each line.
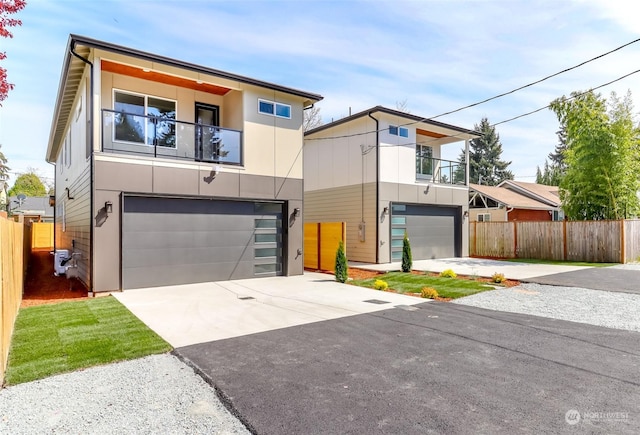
[595, 307]
[155, 394]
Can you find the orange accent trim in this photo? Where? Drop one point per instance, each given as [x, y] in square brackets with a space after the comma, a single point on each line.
[430, 133]
[155, 76]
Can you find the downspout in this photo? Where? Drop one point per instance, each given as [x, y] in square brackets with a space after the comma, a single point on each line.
[377, 187]
[91, 164]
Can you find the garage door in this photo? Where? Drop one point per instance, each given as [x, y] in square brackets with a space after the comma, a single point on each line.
[434, 232]
[167, 241]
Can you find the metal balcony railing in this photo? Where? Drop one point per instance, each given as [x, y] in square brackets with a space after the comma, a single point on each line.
[440, 171]
[130, 133]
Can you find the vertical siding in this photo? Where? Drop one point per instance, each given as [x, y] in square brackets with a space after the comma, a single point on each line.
[344, 204]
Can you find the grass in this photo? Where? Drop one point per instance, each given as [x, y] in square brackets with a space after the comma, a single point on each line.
[558, 262]
[413, 283]
[58, 338]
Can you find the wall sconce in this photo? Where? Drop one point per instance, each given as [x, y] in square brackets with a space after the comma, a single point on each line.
[108, 207]
[296, 212]
[52, 200]
[426, 191]
[385, 211]
[465, 215]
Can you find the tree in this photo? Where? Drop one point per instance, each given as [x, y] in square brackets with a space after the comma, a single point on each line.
[402, 106]
[341, 269]
[407, 259]
[312, 119]
[553, 173]
[29, 184]
[4, 169]
[7, 7]
[485, 166]
[602, 156]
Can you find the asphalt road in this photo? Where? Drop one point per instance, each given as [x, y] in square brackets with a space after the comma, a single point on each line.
[597, 278]
[440, 368]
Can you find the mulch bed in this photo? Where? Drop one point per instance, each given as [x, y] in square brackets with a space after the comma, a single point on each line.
[41, 286]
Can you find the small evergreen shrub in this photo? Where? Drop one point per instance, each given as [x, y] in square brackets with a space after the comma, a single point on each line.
[380, 285]
[498, 278]
[341, 269]
[407, 261]
[429, 293]
[449, 273]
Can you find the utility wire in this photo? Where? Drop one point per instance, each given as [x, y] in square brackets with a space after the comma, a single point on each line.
[501, 95]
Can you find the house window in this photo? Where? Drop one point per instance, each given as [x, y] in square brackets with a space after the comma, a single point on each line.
[558, 215]
[272, 108]
[424, 161]
[484, 217]
[144, 119]
[67, 147]
[398, 131]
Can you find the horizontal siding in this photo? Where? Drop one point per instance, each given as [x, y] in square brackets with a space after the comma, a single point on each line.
[78, 223]
[344, 204]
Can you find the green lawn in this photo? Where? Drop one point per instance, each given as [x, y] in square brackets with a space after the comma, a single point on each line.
[412, 283]
[52, 339]
[558, 262]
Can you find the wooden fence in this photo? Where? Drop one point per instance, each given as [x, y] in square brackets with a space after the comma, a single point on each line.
[593, 241]
[12, 268]
[321, 240]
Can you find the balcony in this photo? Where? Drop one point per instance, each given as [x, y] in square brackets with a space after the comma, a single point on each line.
[440, 171]
[165, 137]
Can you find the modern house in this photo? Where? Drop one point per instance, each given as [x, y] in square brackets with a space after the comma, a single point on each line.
[171, 173]
[514, 201]
[381, 172]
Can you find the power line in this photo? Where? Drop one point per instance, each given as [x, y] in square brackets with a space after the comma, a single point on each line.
[500, 95]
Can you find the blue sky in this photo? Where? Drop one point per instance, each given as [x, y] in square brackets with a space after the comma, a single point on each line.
[436, 55]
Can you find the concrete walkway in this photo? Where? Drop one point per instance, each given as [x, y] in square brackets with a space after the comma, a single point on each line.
[198, 313]
[478, 267]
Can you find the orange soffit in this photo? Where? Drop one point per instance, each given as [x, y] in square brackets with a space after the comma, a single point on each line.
[430, 133]
[158, 77]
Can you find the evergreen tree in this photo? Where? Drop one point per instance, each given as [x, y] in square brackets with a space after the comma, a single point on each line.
[407, 260]
[341, 269]
[485, 165]
[4, 169]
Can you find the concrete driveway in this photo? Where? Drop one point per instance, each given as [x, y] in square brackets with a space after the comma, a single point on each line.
[440, 368]
[198, 313]
[478, 267]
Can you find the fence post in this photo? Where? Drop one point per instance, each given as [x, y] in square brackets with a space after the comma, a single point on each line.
[475, 238]
[564, 239]
[515, 239]
[623, 259]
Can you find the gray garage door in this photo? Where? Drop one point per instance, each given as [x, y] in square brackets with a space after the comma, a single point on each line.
[434, 232]
[167, 241]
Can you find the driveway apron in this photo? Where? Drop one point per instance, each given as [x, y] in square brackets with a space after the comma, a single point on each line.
[623, 278]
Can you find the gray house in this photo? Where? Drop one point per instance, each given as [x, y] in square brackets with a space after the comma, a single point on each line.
[172, 173]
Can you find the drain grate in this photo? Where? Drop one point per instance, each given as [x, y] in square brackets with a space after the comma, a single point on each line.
[245, 298]
[376, 301]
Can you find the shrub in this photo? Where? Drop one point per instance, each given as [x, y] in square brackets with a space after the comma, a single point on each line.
[407, 261]
[341, 270]
[380, 285]
[429, 293]
[449, 273]
[498, 278]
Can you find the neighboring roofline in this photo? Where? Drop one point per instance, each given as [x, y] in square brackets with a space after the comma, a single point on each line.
[386, 110]
[75, 40]
[544, 205]
[535, 196]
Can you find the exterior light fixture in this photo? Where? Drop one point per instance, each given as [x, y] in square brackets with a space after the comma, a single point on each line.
[465, 214]
[296, 212]
[385, 211]
[108, 207]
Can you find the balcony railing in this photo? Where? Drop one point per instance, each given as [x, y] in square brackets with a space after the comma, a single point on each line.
[130, 133]
[440, 171]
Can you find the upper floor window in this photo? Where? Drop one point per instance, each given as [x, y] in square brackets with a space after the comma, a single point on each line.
[144, 119]
[280, 110]
[424, 161]
[398, 131]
